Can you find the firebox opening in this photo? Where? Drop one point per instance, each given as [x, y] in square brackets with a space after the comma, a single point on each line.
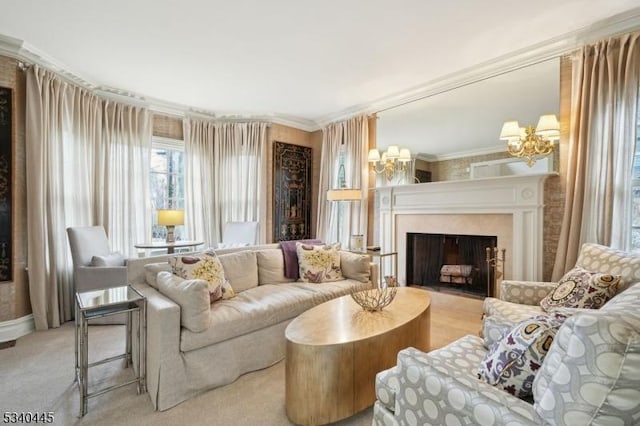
[448, 262]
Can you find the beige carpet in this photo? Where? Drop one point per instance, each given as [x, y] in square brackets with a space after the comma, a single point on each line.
[37, 376]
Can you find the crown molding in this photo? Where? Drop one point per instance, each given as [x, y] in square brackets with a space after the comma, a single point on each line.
[552, 48]
[296, 122]
[23, 51]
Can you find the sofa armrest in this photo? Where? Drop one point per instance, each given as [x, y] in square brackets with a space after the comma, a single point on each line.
[89, 278]
[437, 392]
[525, 292]
[163, 335]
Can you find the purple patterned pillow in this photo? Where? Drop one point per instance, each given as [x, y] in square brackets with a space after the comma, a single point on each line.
[512, 362]
[580, 288]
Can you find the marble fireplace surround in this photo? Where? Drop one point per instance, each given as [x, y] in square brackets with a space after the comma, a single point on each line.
[510, 207]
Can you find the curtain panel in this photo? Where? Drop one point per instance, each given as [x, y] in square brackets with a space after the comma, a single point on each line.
[344, 218]
[87, 161]
[603, 127]
[224, 177]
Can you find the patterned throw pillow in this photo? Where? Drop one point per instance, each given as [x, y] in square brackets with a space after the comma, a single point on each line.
[207, 267]
[580, 288]
[319, 264]
[512, 362]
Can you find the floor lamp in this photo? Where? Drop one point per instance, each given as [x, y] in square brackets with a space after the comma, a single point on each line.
[343, 194]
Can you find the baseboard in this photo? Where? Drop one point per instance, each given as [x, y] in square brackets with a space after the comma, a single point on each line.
[14, 329]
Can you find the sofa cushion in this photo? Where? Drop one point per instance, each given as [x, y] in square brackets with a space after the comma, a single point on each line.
[580, 288]
[595, 257]
[111, 259]
[355, 266]
[462, 355]
[592, 372]
[271, 267]
[319, 263]
[204, 266]
[191, 295]
[261, 307]
[151, 271]
[240, 269]
[512, 311]
[512, 363]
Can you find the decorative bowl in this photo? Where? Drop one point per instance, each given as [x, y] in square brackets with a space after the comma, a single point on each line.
[377, 298]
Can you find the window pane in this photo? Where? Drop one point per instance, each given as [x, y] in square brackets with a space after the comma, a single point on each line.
[159, 190]
[166, 180]
[158, 160]
[636, 206]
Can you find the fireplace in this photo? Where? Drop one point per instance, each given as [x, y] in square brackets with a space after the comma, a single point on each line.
[511, 208]
[449, 262]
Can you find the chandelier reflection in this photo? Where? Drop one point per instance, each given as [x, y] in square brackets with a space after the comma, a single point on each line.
[531, 143]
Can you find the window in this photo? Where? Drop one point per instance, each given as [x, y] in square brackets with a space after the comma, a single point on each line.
[166, 182]
[635, 217]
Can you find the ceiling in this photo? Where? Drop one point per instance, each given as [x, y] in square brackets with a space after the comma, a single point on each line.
[308, 60]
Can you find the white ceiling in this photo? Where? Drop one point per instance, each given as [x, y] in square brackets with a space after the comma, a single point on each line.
[304, 59]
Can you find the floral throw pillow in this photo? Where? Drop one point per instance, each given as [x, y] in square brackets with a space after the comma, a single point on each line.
[207, 267]
[512, 362]
[319, 264]
[580, 288]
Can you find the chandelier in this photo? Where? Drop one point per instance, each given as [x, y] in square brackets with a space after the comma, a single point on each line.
[531, 143]
[392, 162]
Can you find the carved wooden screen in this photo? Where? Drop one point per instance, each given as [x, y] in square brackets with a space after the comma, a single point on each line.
[291, 192]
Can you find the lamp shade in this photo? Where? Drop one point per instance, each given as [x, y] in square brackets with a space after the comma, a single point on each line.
[168, 217]
[548, 126]
[405, 155]
[345, 194]
[393, 152]
[374, 156]
[510, 130]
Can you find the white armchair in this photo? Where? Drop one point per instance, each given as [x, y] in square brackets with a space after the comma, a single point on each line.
[90, 246]
[238, 234]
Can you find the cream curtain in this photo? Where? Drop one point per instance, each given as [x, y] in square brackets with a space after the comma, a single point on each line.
[225, 176]
[88, 165]
[351, 138]
[606, 79]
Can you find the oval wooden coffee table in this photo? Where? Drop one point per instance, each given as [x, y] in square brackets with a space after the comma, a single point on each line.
[335, 350]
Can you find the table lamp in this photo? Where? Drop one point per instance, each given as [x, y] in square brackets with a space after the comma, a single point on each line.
[343, 194]
[170, 218]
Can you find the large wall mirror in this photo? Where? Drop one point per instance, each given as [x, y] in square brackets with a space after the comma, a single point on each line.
[465, 122]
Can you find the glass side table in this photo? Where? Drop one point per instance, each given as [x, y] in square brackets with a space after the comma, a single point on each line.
[387, 264]
[102, 303]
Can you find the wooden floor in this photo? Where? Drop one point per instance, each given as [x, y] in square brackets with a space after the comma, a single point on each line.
[453, 317]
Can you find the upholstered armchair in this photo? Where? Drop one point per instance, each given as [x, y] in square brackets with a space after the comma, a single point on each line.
[519, 300]
[590, 374]
[94, 265]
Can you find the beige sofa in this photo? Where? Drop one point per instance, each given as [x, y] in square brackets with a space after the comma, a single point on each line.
[245, 333]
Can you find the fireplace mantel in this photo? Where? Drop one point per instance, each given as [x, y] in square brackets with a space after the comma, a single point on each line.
[519, 197]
